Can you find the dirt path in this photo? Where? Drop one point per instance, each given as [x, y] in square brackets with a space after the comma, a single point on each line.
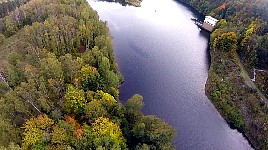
[249, 82]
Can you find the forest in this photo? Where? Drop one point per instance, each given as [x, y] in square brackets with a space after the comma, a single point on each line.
[59, 83]
[238, 76]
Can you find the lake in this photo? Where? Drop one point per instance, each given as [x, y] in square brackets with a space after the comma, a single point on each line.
[163, 56]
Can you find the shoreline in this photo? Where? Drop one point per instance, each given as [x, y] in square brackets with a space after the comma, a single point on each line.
[210, 55]
[241, 105]
[230, 107]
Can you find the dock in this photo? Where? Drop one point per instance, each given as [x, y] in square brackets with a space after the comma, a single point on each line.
[199, 23]
[208, 24]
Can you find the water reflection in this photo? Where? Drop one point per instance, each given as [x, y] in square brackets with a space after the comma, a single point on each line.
[122, 2]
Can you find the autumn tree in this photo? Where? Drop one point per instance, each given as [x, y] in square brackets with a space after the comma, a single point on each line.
[108, 134]
[35, 131]
[226, 42]
[74, 100]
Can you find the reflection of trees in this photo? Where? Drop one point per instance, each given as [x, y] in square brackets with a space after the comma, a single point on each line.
[122, 2]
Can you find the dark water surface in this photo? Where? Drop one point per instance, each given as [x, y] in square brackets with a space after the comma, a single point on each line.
[163, 56]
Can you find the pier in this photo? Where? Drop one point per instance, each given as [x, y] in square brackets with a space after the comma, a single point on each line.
[199, 23]
[208, 24]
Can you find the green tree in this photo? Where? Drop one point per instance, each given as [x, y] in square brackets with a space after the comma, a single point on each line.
[71, 67]
[88, 137]
[28, 93]
[133, 108]
[153, 130]
[89, 77]
[75, 101]
[107, 101]
[94, 110]
[2, 38]
[226, 42]
[11, 27]
[15, 73]
[143, 147]
[51, 67]
[9, 133]
[62, 133]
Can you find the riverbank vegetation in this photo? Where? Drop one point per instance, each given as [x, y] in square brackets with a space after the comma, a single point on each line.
[136, 3]
[238, 75]
[59, 83]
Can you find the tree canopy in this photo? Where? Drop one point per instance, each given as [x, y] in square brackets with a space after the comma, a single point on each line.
[59, 82]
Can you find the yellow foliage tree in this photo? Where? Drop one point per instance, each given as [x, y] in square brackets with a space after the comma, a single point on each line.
[103, 127]
[35, 129]
[74, 100]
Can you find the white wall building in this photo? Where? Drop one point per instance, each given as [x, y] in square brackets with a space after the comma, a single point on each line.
[210, 20]
[209, 23]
